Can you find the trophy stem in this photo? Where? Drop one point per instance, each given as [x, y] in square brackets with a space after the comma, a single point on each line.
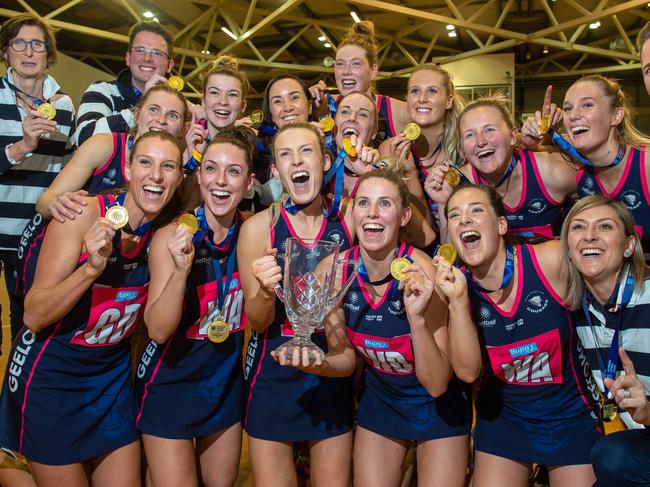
[301, 340]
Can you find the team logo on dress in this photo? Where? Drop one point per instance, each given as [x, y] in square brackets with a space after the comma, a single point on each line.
[631, 199]
[536, 302]
[109, 179]
[334, 236]
[352, 297]
[512, 326]
[486, 318]
[537, 206]
[203, 256]
[396, 307]
[351, 300]
[588, 185]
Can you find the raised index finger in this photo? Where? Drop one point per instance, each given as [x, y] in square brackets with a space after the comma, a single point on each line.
[548, 98]
[628, 366]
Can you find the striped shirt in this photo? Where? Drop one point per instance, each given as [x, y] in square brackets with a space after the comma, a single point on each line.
[106, 107]
[22, 183]
[634, 336]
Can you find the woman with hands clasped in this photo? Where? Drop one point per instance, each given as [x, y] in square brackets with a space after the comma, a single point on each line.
[69, 406]
[399, 330]
[535, 402]
[189, 380]
[608, 289]
[534, 186]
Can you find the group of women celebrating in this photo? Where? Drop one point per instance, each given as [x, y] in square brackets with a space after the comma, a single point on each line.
[543, 308]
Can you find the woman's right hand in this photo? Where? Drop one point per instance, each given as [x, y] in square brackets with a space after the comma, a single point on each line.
[68, 205]
[531, 134]
[181, 248]
[196, 136]
[317, 91]
[435, 185]
[267, 271]
[98, 242]
[34, 126]
[451, 284]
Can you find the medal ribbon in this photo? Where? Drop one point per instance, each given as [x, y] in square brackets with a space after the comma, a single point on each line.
[508, 272]
[138, 232]
[506, 175]
[34, 99]
[331, 104]
[566, 147]
[609, 372]
[338, 169]
[363, 274]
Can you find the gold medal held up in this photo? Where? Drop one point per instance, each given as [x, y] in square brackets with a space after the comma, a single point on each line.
[397, 267]
[188, 221]
[545, 124]
[452, 176]
[412, 131]
[47, 109]
[327, 122]
[218, 331]
[176, 82]
[349, 149]
[609, 410]
[257, 116]
[447, 252]
[117, 215]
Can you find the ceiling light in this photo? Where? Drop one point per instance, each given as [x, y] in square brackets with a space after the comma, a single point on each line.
[594, 25]
[148, 14]
[452, 33]
[205, 52]
[355, 17]
[450, 27]
[327, 44]
[322, 38]
[228, 33]
[545, 50]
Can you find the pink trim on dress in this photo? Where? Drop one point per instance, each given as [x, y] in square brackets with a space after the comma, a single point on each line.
[153, 376]
[524, 185]
[621, 182]
[542, 277]
[540, 181]
[520, 286]
[108, 161]
[257, 373]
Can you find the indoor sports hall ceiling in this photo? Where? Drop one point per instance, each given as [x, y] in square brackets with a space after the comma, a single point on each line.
[550, 39]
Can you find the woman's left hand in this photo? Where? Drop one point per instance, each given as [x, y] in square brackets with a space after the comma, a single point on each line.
[307, 360]
[629, 392]
[417, 290]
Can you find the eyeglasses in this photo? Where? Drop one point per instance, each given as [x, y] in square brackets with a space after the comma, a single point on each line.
[143, 51]
[20, 44]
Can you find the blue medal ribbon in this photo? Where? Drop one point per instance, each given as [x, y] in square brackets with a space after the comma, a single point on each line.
[508, 273]
[138, 232]
[609, 372]
[393, 287]
[35, 100]
[338, 169]
[511, 167]
[566, 147]
[331, 104]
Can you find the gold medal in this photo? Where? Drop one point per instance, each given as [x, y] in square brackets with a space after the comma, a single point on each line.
[257, 116]
[452, 176]
[188, 221]
[328, 123]
[218, 331]
[48, 109]
[447, 252]
[412, 131]
[397, 267]
[545, 124]
[176, 82]
[349, 148]
[609, 410]
[197, 156]
[117, 215]
[332, 89]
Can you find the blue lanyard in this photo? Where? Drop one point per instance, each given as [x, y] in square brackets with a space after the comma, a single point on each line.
[393, 287]
[136, 91]
[566, 146]
[267, 128]
[506, 175]
[331, 104]
[35, 100]
[508, 272]
[293, 208]
[141, 230]
[609, 372]
[338, 169]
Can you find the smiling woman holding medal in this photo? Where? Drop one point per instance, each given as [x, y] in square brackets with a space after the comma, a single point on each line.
[534, 186]
[398, 326]
[609, 291]
[189, 378]
[68, 403]
[536, 400]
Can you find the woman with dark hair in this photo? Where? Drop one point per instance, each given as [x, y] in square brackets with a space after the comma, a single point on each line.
[67, 401]
[535, 402]
[608, 289]
[189, 380]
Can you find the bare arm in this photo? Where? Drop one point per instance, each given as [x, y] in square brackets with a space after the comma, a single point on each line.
[170, 262]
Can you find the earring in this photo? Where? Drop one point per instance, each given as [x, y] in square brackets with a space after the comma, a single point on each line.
[627, 253]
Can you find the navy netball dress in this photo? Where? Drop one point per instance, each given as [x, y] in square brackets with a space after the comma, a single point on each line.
[68, 394]
[190, 387]
[632, 191]
[284, 403]
[537, 399]
[392, 401]
[537, 215]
